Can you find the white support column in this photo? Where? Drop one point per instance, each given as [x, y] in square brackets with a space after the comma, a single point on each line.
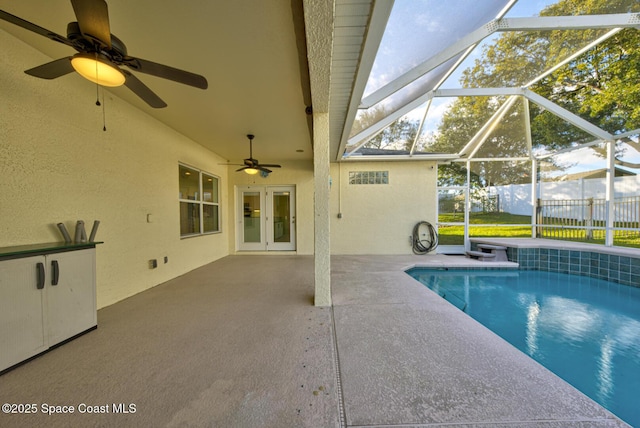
[467, 207]
[322, 242]
[610, 192]
[534, 196]
[319, 30]
[534, 168]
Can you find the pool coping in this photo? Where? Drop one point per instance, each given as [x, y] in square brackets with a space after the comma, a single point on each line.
[615, 264]
[556, 244]
[402, 378]
[475, 267]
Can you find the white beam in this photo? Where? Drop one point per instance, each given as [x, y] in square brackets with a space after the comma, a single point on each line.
[625, 20]
[388, 120]
[534, 196]
[471, 147]
[387, 158]
[610, 193]
[467, 208]
[506, 8]
[375, 30]
[628, 134]
[362, 137]
[516, 159]
[440, 58]
[567, 115]
[574, 56]
[568, 149]
[437, 86]
[476, 92]
[354, 150]
[527, 127]
[577, 22]
[420, 126]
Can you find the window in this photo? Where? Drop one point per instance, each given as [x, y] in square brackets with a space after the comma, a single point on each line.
[199, 202]
[368, 177]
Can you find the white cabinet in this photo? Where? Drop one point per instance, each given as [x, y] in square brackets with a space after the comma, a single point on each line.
[22, 324]
[71, 304]
[45, 300]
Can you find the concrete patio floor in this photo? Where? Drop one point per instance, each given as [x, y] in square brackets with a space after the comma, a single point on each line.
[238, 343]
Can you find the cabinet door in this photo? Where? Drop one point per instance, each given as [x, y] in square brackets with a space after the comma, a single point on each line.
[71, 303]
[22, 332]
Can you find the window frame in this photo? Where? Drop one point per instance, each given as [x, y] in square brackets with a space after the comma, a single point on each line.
[200, 201]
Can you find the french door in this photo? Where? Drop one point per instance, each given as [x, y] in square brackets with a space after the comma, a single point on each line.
[266, 218]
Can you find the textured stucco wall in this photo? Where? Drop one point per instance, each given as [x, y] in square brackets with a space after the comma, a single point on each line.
[322, 210]
[298, 174]
[57, 165]
[379, 218]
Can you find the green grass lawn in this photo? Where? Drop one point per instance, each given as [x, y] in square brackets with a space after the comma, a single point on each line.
[454, 235]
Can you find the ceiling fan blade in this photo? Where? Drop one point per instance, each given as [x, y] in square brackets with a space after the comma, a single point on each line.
[262, 168]
[93, 20]
[52, 69]
[270, 165]
[141, 90]
[166, 72]
[33, 27]
[242, 169]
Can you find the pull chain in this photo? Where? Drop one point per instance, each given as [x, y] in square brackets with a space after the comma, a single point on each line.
[97, 86]
[104, 120]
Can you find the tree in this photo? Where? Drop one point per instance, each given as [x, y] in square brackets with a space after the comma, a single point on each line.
[602, 86]
[398, 136]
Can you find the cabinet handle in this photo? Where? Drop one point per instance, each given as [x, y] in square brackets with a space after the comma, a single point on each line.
[40, 283]
[56, 272]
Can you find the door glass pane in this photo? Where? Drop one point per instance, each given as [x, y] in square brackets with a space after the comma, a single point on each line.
[281, 220]
[251, 223]
[189, 218]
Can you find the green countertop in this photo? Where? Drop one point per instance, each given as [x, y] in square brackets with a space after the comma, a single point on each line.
[19, 250]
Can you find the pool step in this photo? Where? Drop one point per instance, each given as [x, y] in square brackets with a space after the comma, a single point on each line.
[482, 256]
[497, 250]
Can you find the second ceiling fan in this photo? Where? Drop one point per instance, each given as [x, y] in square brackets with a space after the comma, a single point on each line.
[252, 166]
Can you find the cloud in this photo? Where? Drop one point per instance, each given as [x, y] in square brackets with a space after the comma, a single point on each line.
[427, 22]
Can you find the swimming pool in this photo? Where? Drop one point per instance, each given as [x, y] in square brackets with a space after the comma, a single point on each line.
[586, 330]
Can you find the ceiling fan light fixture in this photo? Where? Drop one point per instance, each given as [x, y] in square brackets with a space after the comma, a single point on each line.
[97, 69]
[251, 171]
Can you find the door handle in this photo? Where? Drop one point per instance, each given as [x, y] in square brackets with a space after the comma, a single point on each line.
[55, 272]
[40, 270]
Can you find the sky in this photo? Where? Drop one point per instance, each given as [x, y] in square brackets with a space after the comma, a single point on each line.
[414, 21]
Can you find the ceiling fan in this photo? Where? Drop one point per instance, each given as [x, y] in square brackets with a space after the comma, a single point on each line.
[100, 54]
[252, 166]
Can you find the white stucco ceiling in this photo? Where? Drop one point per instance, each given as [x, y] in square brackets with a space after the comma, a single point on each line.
[251, 52]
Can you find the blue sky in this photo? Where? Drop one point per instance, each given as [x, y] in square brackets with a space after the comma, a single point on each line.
[416, 31]
[412, 22]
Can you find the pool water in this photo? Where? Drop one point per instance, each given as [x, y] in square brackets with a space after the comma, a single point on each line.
[585, 330]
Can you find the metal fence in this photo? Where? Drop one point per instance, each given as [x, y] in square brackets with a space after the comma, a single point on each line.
[586, 219]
